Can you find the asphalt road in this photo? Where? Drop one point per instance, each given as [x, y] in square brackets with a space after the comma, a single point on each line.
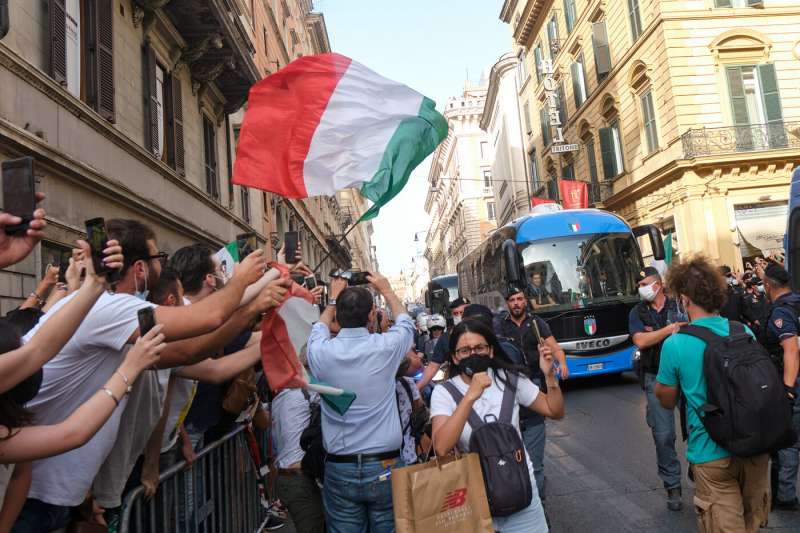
[601, 466]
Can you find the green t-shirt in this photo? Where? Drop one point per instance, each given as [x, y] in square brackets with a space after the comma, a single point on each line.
[682, 366]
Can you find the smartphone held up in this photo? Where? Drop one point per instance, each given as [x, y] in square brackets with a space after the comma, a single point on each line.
[19, 192]
[97, 237]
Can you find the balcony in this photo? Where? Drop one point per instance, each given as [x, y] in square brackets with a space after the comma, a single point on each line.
[700, 142]
[599, 192]
[218, 49]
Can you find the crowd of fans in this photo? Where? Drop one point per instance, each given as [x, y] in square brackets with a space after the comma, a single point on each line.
[90, 408]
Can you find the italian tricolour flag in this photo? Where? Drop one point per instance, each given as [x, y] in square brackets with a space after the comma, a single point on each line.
[325, 123]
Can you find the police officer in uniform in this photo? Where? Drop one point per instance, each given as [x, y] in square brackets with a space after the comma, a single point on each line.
[780, 338]
[650, 322]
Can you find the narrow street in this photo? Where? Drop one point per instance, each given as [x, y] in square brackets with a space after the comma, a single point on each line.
[601, 466]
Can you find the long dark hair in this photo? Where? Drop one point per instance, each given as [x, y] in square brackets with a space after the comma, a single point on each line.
[12, 414]
[500, 360]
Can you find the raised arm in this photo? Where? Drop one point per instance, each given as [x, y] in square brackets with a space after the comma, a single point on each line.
[194, 350]
[551, 404]
[38, 442]
[224, 368]
[51, 337]
[213, 311]
[385, 289]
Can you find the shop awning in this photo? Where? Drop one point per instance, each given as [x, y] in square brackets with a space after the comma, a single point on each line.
[761, 228]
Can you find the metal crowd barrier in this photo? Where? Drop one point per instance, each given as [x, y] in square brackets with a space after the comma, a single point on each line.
[218, 494]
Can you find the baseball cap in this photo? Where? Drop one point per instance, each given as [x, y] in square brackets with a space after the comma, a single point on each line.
[647, 272]
[777, 272]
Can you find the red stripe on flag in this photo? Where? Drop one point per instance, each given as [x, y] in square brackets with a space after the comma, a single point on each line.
[278, 357]
[283, 112]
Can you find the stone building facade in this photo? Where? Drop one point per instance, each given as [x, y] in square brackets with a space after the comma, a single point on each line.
[501, 121]
[460, 199]
[686, 112]
[124, 105]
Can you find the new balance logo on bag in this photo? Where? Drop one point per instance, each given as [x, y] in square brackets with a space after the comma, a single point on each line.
[746, 410]
[454, 499]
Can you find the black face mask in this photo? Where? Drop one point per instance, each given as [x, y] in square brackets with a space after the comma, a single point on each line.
[474, 364]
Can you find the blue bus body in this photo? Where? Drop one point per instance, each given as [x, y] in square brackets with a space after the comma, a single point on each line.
[581, 268]
[792, 238]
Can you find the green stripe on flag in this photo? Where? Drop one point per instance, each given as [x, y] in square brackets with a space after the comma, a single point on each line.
[415, 139]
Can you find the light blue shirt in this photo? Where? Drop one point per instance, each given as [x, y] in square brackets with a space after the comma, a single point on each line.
[366, 364]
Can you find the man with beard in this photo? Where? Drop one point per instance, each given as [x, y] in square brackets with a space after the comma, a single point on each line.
[518, 327]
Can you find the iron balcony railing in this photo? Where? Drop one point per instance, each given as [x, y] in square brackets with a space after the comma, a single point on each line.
[699, 142]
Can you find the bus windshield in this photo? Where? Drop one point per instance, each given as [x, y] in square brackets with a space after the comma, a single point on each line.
[576, 271]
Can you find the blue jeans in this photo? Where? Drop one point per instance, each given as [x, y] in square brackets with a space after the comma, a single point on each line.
[358, 497]
[662, 424]
[786, 462]
[40, 517]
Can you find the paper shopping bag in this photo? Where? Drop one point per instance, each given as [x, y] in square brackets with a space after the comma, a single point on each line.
[441, 495]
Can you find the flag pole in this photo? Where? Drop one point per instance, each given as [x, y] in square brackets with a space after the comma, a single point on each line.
[340, 241]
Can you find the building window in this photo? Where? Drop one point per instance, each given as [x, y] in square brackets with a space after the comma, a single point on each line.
[163, 134]
[210, 154]
[611, 151]
[526, 111]
[487, 178]
[547, 138]
[635, 18]
[591, 160]
[562, 105]
[570, 14]
[245, 198]
[649, 121]
[490, 210]
[552, 36]
[602, 51]
[522, 72]
[578, 72]
[536, 181]
[754, 94]
[739, 3]
[538, 57]
[484, 150]
[568, 172]
[81, 51]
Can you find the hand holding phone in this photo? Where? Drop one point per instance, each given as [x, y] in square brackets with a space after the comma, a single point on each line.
[358, 278]
[147, 320]
[98, 240]
[19, 193]
[290, 242]
[246, 244]
[310, 282]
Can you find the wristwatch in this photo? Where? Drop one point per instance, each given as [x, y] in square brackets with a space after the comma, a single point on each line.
[332, 301]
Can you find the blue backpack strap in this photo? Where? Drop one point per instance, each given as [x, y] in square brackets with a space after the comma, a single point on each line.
[474, 420]
[509, 397]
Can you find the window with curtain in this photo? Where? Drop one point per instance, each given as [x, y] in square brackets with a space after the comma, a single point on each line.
[649, 121]
[756, 106]
[578, 72]
[611, 150]
[635, 19]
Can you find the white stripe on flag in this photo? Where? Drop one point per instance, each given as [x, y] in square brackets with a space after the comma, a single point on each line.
[298, 315]
[354, 130]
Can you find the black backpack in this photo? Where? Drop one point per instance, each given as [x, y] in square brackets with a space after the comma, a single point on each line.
[419, 417]
[313, 462]
[499, 446]
[747, 411]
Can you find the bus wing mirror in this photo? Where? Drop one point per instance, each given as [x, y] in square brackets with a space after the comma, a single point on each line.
[654, 234]
[513, 267]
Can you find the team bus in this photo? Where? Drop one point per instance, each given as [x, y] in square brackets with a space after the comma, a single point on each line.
[442, 290]
[578, 268]
[792, 239]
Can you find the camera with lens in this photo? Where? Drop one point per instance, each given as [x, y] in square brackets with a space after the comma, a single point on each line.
[353, 277]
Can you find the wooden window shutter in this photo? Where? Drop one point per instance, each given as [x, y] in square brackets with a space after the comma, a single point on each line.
[104, 57]
[175, 150]
[771, 96]
[150, 99]
[607, 153]
[545, 122]
[58, 41]
[562, 105]
[576, 89]
[591, 160]
[602, 52]
[738, 100]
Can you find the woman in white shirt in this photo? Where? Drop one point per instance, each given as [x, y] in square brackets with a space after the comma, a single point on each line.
[479, 370]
